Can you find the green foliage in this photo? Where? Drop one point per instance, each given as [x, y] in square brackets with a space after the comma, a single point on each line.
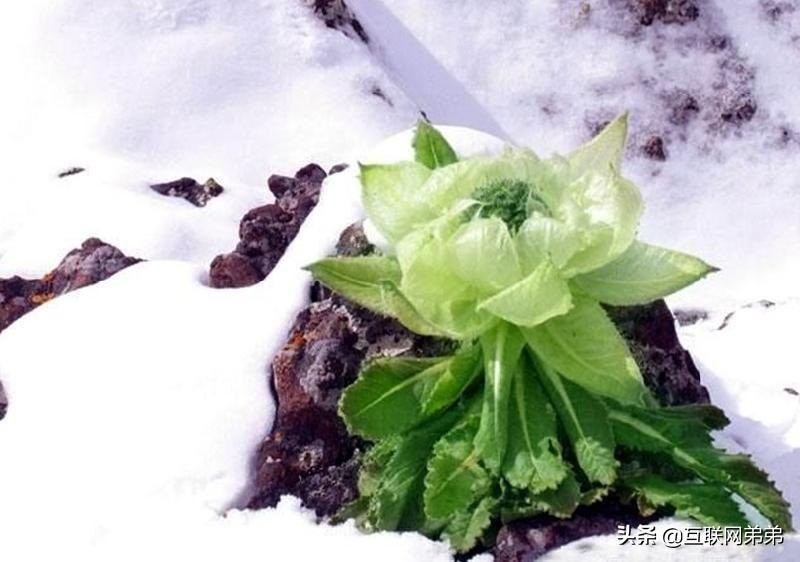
[431, 149]
[542, 408]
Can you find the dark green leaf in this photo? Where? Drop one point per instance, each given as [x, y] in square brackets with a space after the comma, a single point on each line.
[586, 423]
[431, 149]
[461, 371]
[502, 348]
[533, 459]
[466, 528]
[688, 443]
[386, 398]
[708, 503]
[455, 478]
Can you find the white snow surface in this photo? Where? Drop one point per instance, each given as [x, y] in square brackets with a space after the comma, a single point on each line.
[136, 405]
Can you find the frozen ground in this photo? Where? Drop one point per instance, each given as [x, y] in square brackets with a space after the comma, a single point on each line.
[136, 404]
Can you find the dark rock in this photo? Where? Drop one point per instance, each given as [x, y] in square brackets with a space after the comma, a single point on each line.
[337, 168]
[527, 540]
[654, 149]
[690, 317]
[71, 172]
[683, 107]
[666, 11]
[309, 452]
[94, 261]
[667, 368]
[233, 270]
[196, 194]
[353, 242]
[3, 402]
[265, 232]
[336, 15]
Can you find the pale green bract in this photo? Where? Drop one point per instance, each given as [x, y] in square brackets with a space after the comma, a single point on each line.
[464, 270]
[542, 406]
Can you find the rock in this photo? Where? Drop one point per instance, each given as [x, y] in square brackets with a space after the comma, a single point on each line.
[666, 11]
[667, 368]
[3, 402]
[309, 452]
[527, 540]
[94, 261]
[71, 171]
[336, 15]
[654, 149]
[189, 189]
[265, 232]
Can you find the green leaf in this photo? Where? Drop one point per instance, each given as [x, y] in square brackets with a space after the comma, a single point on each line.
[466, 528]
[438, 294]
[561, 501]
[642, 274]
[604, 150]
[392, 199]
[689, 445]
[707, 503]
[462, 369]
[397, 504]
[585, 421]
[502, 348]
[564, 500]
[608, 211]
[541, 237]
[431, 149]
[385, 400]
[482, 254]
[371, 281]
[585, 346]
[533, 460]
[451, 184]
[455, 477]
[537, 298]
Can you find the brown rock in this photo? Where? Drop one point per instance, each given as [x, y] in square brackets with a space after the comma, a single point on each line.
[94, 261]
[195, 193]
[265, 232]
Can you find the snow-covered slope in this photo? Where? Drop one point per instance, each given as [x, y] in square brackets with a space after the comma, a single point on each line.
[143, 91]
[719, 92]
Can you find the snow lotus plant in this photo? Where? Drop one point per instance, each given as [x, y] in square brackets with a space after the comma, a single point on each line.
[542, 408]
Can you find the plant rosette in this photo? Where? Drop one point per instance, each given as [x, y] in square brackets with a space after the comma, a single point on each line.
[542, 408]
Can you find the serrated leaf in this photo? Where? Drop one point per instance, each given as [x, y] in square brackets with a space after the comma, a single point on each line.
[585, 421]
[397, 503]
[372, 282]
[455, 477]
[707, 503]
[386, 398]
[563, 501]
[502, 348]
[533, 459]
[585, 347]
[689, 445]
[431, 149]
[466, 528]
[535, 299]
[462, 369]
[642, 274]
[390, 193]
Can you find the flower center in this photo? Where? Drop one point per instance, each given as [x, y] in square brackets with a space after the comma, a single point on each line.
[512, 201]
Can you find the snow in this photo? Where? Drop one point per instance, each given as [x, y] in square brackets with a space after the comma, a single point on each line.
[144, 91]
[136, 405]
[730, 195]
[161, 397]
